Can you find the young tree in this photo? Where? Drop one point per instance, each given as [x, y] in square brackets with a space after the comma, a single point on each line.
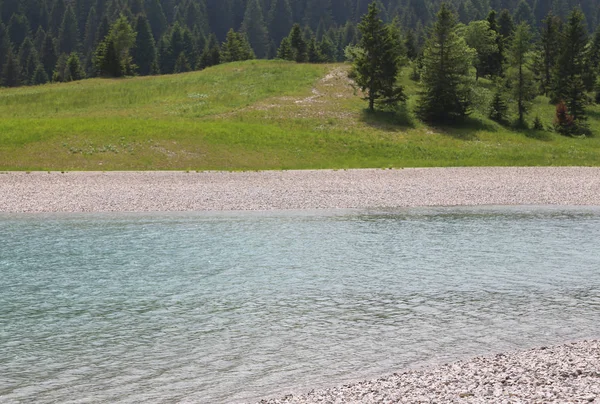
[39, 76]
[376, 67]
[446, 93]
[11, 71]
[499, 109]
[113, 53]
[68, 38]
[236, 47]
[74, 71]
[568, 84]
[285, 51]
[181, 64]
[520, 75]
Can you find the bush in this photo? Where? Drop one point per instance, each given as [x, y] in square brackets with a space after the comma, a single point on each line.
[537, 123]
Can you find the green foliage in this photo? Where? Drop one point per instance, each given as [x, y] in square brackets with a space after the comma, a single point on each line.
[182, 65]
[285, 51]
[537, 123]
[113, 57]
[144, 52]
[68, 37]
[236, 48]
[39, 76]
[499, 109]
[548, 50]
[479, 36]
[11, 71]
[255, 29]
[375, 69]
[446, 80]
[520, 76]
[298, 44]
[74, 71]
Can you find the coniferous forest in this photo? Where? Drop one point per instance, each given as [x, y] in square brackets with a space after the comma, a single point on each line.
[530, 47]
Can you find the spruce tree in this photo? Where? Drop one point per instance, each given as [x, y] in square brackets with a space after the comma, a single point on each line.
[523, 13]
[520, 75]
[314, 52]
[255, 29]
[5, 45]
[156, 18]
[285, 50]
[144, 51]
[18, 29]
[49, 55]
[548, 50]
[28, 60]
[446, 93]
[298, 44]
[568, 84]
[499, 109]
[11, 71]
[39, 76]
[376, 67]
[181, 64]
[107, 59]
[495, 61]
[74, 70]
[506, 25]
[236, 48]
[68, 35]
[56, 17]
[280, 20]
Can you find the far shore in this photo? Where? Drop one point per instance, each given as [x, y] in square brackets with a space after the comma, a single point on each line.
[177, 191]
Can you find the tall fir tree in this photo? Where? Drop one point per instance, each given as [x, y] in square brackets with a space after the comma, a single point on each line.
[568, 85]
[506, 24]
[49, 55]
[56, 17]
[255, 29]
[280, 20]
[548, 50]
[298, 44]
[482, 39]
[236, 48]
[68, 38]
[376, 68]
[446, 81]
[144, 51]
[11, 71]
[520, 74]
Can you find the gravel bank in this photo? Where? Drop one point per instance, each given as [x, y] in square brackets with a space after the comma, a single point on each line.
[311, 189]
[568, 373]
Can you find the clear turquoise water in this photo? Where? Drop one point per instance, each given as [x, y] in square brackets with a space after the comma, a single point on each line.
[236, 307]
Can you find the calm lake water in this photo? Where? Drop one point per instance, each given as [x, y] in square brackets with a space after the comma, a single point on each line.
[234, 307]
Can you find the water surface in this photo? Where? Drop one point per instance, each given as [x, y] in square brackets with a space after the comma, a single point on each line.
[234, 307]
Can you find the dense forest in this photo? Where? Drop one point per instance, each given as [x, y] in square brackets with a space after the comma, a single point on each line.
[64, 40]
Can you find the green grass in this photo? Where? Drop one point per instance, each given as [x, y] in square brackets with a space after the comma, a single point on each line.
[256, 115]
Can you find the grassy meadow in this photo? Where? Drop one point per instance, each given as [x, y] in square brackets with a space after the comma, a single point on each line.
[257, 115]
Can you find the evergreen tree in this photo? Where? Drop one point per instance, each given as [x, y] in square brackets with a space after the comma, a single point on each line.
[235, 48]
[314, 52]
[446, 94]
[28, 60]
[56, 17]
[280, 20]
[549, 47]
[506, 25]
[410, 43]
[39, 76]
[156, 18]
[91, 28]
[38, 41]
[181, 64]
[144, 52]
[11, 71]
[211, 56]
[376, 67]
[568, 84]
[520, 75]
[499, 109]
[298, 44]
[107, 59]
[495, 60]
[49, 55]
[285, 51]
[255, 29]
[5, 46]
[523, 13]
[68, 37]
[18, 29]
[327, 50]
[74, 70]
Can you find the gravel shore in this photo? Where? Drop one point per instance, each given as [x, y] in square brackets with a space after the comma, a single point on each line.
[310, 189]
[568, 373]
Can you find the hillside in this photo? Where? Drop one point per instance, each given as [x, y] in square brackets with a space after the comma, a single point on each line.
[256, 115]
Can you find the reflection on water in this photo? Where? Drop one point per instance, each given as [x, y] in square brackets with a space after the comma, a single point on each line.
[234, 307]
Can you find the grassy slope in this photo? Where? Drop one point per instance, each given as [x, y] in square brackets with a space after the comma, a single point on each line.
[254, 115]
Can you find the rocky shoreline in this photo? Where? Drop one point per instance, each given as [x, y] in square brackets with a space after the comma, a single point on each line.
[568, 373]
[152, 191]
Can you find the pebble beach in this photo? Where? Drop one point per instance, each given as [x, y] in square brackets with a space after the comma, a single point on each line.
[285, 190]
[568, 373]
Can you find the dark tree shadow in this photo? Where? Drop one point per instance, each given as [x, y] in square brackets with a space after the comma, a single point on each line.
[542, 135]
[390, 121]
[467, 129]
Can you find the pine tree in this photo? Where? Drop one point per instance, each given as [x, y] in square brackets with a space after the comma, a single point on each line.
[446, 94]
[236, 48]
[211, 56]
[144, 52]
[523, 13]
[74, 70]
[495, 61]
[56, 17]
[314, 52]
[327, 50]
[255, 29]
[39, 76]
[38, 41]
[280, 20]
[49, 55]
[298, 44]
[376, 67]
[5, 46]
[156, 18]
[28, 60]
[506, 25]
[107, 59]
[18, 29]
[568, 84]
[285, 51]
[520, 75]
[499, 109]
[410, 43]
[548, 49]
[69, 36]
[181, 64]
[11, 71]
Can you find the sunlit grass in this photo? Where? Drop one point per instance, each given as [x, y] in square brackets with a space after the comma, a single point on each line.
[257, 115]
